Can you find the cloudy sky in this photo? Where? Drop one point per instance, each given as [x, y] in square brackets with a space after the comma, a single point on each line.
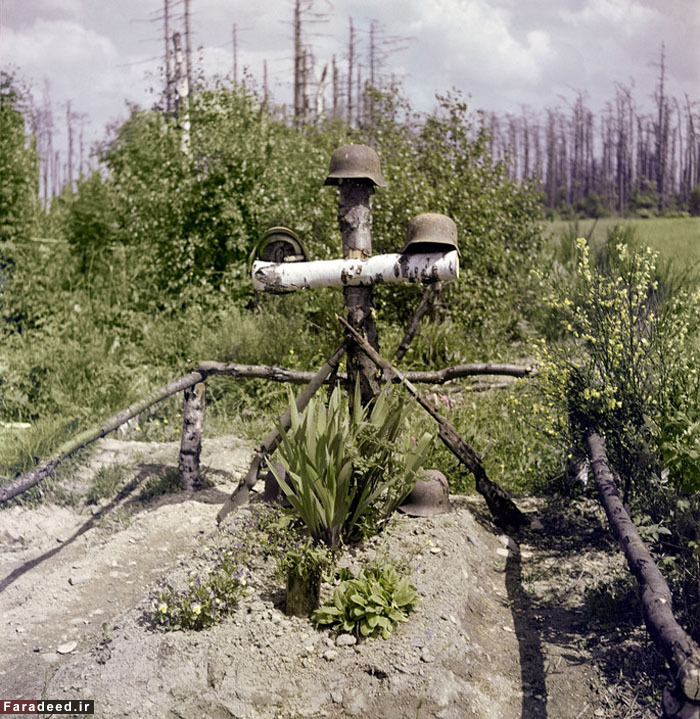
[507, 54]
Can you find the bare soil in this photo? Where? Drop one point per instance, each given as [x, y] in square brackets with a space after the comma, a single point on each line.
[506, 627]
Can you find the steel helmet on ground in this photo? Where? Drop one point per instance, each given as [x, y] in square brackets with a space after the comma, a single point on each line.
[355, 162]
[430, 495]
[431, 232]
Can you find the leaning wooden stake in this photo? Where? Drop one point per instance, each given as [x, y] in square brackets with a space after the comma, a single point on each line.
[426, 304]
[682, 701]
[192, 431]
[505, 512]
[242, 493]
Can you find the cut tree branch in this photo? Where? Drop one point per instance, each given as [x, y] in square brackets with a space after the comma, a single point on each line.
[425, 305]
[281, 374]
[682, 701]
[504, 510]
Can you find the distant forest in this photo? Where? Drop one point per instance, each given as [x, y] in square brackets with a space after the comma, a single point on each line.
[623, 161]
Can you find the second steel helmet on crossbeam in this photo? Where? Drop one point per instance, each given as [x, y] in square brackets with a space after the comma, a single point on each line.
[431, 232]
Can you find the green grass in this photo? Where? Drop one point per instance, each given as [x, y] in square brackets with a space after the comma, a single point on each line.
[675, 238]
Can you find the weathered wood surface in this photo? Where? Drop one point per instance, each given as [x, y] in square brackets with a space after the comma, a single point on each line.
[503, 508]
[193, 406]
[355, 222]
[281, 374]
[242, 493]
[682, 701]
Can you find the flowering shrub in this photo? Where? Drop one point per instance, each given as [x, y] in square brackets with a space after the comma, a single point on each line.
[623, 361]
[204, 601]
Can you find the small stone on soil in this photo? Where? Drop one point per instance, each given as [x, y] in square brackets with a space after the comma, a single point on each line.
[345, 640]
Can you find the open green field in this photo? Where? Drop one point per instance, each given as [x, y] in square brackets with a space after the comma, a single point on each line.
[676, 238]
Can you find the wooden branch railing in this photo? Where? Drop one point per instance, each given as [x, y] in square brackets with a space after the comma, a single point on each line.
[280, 374]
[33, 477]
[681, 701]
[189, 465]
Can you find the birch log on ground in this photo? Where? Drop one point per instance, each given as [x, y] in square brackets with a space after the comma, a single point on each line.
[502, 507]
[682, 701]
[193, 405]
[242, 493]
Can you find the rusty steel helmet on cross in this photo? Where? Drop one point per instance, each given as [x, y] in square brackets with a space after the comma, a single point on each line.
[355, 162]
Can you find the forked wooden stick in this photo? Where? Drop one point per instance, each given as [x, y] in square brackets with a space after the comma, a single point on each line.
[505, 512]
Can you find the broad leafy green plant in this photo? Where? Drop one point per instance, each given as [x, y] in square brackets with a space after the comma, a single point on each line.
[342, 468]
[371, 604]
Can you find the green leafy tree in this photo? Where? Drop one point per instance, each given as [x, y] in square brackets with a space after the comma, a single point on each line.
[442, 163]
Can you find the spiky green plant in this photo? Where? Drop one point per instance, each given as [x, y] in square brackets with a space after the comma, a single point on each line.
[342, 467]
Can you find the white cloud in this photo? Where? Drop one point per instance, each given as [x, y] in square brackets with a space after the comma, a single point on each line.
[58, 43]
[474, 45]
[78, 64]
[623, 16]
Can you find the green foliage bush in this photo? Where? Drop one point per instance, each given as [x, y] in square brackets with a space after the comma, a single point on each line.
[19, 174]
[622, 357]
[371, 604]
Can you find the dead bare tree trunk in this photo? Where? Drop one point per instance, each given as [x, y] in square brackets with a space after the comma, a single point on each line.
[188, 46]
[242, 493]
[168, 70]
[182, 93]
[505, 513]
[192, 430]
[298, 64]
[235, 55]
[69, 125]
[351, 57]
[335, 88]
[682, 701]
[265, 86]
